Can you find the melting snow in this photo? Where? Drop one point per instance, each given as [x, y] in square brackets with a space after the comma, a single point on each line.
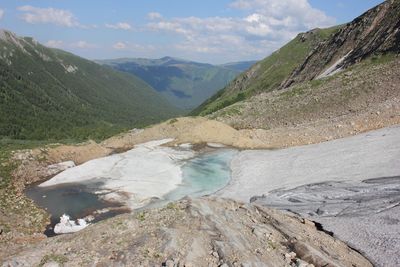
[149, 170]
[66, 225]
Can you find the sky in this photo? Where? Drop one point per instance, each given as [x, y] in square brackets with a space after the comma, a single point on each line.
[212, 31]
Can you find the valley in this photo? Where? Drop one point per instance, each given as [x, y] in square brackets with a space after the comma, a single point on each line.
[185, 84]
[293, 160]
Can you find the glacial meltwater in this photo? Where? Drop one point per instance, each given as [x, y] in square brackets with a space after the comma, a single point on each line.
[76, 200]
[203, 174]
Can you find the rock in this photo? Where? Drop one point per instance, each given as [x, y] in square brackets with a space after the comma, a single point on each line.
[301, 263]
[59, 167]
[353, 43]
[169, 263]
[52, 264]
[188, 234]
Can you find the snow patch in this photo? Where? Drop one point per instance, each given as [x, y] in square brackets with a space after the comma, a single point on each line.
[369, 155]
[215, 145]
[186, 145]
[145, 172]
[66, 225]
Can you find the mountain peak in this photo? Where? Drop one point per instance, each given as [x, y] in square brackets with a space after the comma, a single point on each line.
[166, 58]
[374, 32]
[6, 35]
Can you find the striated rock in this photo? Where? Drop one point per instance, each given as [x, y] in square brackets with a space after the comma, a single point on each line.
[374, 32]
[187, 234]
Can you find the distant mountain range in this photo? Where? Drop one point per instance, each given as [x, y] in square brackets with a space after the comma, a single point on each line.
[51, 94]
[184, 83]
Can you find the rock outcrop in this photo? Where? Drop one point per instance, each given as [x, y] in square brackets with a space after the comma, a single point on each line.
[374, 32]
[201, 232]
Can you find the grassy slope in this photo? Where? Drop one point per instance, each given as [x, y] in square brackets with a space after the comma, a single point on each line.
[39, 99]
[268, 74]
[15, 206]
[358, 89]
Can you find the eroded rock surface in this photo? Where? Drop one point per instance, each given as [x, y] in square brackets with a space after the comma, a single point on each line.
[201, 232]
[364, 214]
[374, 32]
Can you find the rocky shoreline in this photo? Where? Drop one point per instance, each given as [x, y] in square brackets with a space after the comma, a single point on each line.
[200, 232]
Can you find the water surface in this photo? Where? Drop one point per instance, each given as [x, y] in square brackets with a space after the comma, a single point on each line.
[204, 174]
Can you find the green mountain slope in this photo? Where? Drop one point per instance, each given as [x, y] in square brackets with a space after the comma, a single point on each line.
[48, 93]
[267, 74]
[347, 83]
[367, 93]
[185, 84]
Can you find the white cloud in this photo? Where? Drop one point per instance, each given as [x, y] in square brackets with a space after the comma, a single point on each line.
[299, 12]
[60, 17]
[1, 13]
[83, 45]
[55, 43]
[119, 46]
[154, 15]
[120, 26]
[266, 25]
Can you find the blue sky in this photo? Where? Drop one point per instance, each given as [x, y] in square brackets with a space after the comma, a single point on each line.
[206, 31]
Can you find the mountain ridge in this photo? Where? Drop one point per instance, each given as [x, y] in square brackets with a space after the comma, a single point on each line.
[372, 33]
[49, 93]
[266, 74]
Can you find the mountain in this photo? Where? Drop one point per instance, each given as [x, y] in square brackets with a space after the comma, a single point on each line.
[184, 83]
[374, 32]
[268, 73]
[345, 84]
[239, 66]
[49, 93]
[314, 55]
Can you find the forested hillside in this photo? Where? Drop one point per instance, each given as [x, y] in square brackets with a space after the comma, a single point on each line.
[51, 94]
